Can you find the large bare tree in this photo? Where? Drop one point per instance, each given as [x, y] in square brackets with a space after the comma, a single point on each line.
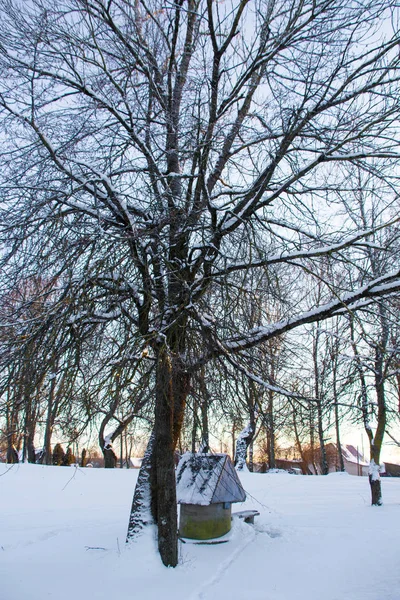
[152, 151]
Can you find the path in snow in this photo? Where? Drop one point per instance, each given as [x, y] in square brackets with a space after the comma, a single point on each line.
[244, 535]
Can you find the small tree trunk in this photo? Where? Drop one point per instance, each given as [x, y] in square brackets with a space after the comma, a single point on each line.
[376, 442]
[243, 442]
[251, 457]
[31, 447]
[271, 431]
[205, 444]
[140, 515]
[127, 452]
[12, 454]
[397, 367]
[338, 443]
[375, 478]
[318, 396]
[334, 359]
[47, 456]
[110, 458]
[306, 470]
[312, 439]
[194, 426]
[29, 434]
[323, 457]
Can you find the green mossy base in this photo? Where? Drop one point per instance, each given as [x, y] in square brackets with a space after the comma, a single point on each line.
[204, 522]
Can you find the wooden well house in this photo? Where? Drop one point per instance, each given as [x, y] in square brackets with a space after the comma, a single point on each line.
[207, 485]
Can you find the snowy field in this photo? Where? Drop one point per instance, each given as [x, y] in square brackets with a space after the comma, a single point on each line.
[62, 533]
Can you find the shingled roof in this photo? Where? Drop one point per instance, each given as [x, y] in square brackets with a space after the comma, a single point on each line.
[207, 479]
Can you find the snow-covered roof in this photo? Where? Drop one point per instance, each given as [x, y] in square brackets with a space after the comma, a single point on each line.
[207, 479]
[353, 455]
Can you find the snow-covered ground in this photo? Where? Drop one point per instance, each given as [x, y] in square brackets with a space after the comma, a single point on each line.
[62, 533]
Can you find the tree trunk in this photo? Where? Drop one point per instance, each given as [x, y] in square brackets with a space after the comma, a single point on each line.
[164, 506]
[106, 442]
[243, 442]
[127, 452]
[140, 515]
[205, 444]
[12, 454]
[376, 443]
[47, 456]
[28, 453]
[234, 444]
[374, 476]
[319, 401]
[154, 499]
[31, 453]
[312, 444]
[194, 426]
[306, 470]
[323, 456]
[251, 457]
[180, 389]
[334, 358]
[338, 443]
[271, 431]
[110, 458]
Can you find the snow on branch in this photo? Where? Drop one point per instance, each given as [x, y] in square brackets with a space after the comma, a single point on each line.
[317, 252]
[382, 286]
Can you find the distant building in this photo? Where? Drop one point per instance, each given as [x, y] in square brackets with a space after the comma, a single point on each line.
[354, 461]
[297, 467]
[207, 485]
[133, 462]
[390, 470]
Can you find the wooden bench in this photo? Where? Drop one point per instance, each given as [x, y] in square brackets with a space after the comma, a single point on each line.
[246, 515]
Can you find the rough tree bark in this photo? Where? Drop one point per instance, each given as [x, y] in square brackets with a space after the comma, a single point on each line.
[140, 515]
[242, 443]
[154, 499]
[163, 485]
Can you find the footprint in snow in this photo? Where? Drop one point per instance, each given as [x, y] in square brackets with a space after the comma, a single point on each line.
[272, 532]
